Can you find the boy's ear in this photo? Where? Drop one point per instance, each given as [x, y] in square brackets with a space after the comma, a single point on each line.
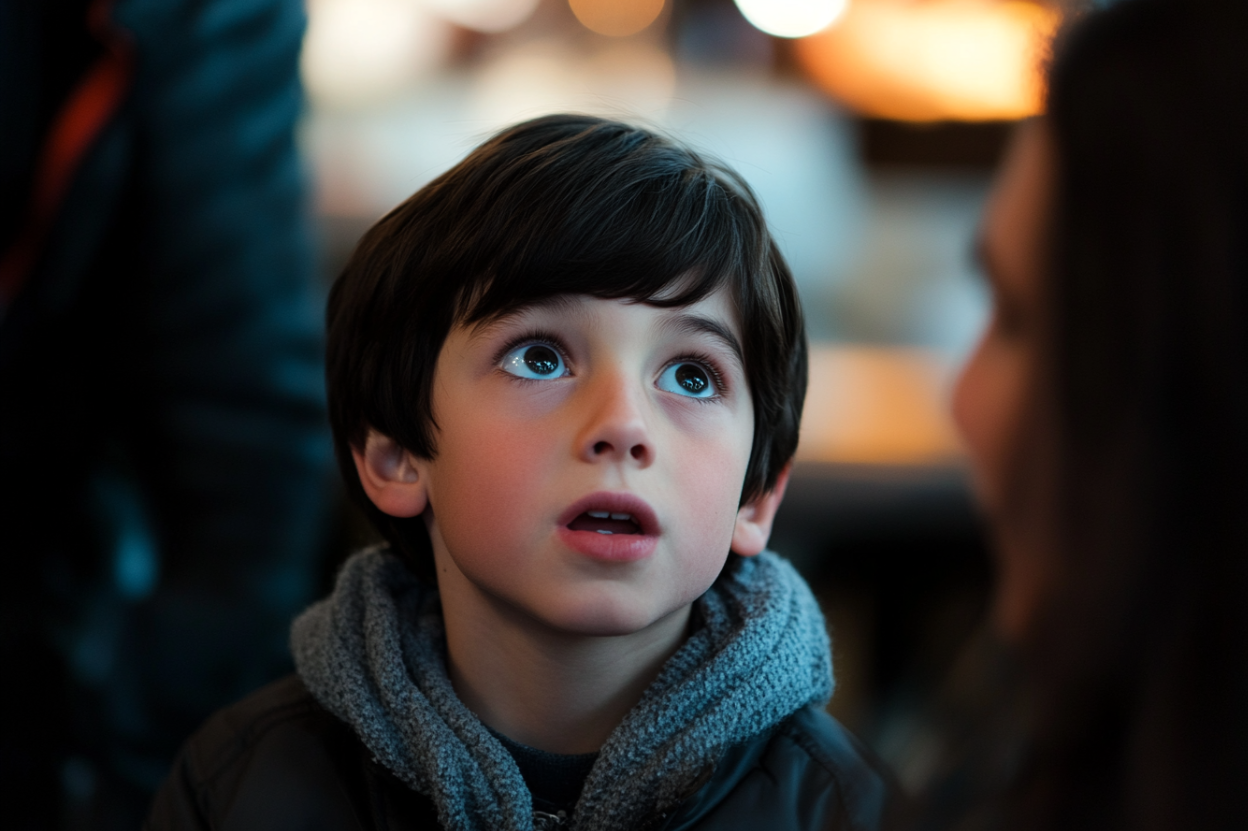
[754, 518]
[390, 476]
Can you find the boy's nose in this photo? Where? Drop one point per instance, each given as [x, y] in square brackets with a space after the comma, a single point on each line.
[616, 428]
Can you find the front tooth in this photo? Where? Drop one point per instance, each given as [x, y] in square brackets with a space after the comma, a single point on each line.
[599, 514]
[603, 531]
[621, 516]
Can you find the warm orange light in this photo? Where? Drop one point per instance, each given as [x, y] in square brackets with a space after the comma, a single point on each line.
[873, 405]
[931, 60]
[616, 17]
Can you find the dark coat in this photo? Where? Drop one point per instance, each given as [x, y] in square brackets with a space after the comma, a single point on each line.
[278, 760]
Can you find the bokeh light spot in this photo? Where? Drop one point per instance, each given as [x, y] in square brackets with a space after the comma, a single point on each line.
[966, 60]
[791, 18]
[484, 15]
[616, 18]
[358, 51]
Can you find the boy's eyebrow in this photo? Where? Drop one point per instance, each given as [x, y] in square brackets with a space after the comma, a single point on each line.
[689, 323]
[684, 323]
[556, 302]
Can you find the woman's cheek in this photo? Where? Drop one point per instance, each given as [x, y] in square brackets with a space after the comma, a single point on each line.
[985, 410]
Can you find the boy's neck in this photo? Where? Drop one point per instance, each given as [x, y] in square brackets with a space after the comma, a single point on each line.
[546, 689]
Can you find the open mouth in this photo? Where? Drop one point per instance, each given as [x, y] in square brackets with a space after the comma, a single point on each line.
[610, 527]
[605, 522]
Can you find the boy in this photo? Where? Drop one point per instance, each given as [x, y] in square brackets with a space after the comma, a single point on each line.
[565, 380]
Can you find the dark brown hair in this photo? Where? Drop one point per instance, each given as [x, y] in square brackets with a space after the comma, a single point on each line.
[564, 204]
[1140, 661]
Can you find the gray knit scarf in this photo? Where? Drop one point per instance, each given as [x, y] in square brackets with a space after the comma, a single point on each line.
[374, 654]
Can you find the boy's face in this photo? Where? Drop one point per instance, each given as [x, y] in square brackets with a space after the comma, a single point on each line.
[590, 460]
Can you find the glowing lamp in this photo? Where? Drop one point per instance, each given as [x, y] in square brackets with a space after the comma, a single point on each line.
[791, 18]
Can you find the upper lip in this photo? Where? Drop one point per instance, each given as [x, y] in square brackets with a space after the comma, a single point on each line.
[615, 503]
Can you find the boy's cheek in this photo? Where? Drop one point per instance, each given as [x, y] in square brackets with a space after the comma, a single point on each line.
[499, 472]
[711, 489]
[493, 477]
[698, 418]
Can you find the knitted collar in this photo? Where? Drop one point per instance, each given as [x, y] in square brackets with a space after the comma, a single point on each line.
[374, 654]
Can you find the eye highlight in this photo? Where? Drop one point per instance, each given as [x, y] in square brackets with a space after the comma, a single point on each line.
[534, 361]
[688, 379]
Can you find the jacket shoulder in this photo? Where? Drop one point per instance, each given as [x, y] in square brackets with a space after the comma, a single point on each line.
[278, 760]
[861, 784]
[808, 773]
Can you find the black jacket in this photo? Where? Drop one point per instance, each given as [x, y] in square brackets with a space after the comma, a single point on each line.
[278, 760]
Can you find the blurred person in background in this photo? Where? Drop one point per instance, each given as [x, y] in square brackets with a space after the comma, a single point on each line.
[163, 446]
[1106, 415]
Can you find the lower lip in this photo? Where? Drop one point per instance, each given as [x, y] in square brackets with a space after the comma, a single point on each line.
[609, 548]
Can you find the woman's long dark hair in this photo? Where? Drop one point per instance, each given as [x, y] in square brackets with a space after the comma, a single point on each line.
[1140, 662]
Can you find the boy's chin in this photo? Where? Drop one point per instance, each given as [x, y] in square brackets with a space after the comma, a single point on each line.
[614, 619]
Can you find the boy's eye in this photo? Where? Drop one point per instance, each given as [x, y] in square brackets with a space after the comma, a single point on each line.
[534, 360]
[687, 379]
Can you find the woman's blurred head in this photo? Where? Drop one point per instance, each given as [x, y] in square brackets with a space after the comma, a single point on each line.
[1106, 412]
[994, 395]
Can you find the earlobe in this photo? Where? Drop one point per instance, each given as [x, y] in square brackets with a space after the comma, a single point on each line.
[390, 476]
[754, 519]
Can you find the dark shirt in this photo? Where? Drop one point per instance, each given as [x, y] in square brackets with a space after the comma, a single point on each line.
[555, 780]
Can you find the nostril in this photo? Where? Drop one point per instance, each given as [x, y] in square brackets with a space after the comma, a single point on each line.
[601, 447]
[638, 451]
